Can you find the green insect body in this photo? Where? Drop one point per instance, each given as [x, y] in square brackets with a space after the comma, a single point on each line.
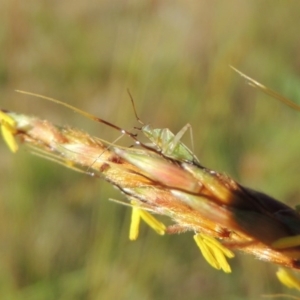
[169, 144]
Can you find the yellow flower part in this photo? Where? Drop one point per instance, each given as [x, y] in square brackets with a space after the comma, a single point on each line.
[8, 125]
[206, 252]
[287, 242]
[214, 252]
[288, 279]
[134, 224]
[156, 225]
[138, 214]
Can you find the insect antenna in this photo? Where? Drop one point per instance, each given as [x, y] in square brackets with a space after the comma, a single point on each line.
[135, 112]
[84, 113]
[92, 117]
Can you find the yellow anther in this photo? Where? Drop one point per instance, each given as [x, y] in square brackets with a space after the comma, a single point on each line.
[206, 252]
[287, 242]
[138, 214]
[217, 244]
[214, 252]
[156, 225]
[8, 125]
[134, 224]
[288, 279]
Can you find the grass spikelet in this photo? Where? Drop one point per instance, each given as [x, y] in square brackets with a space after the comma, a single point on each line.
[212, 204]
[168, 179]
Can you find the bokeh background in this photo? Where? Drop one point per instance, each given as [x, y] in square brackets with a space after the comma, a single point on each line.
[60, 237]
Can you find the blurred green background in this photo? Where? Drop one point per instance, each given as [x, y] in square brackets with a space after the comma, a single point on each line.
[60, 237]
